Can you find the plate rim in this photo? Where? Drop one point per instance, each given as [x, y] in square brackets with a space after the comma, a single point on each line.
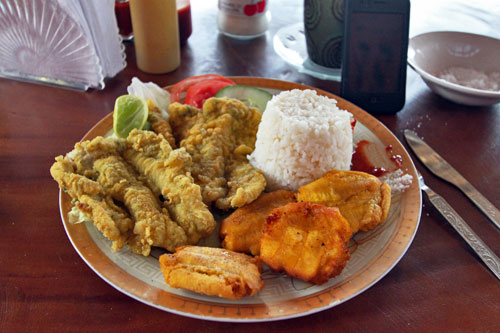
[107, 270]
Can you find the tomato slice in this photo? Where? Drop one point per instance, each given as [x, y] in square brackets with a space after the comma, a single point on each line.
[182, 86]
[198, 93]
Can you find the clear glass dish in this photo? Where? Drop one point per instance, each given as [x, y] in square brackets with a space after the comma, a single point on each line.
[40, 42]
[290, 45]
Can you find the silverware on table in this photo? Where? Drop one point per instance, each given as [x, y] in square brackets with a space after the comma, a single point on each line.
[458, 223]
[439, 167]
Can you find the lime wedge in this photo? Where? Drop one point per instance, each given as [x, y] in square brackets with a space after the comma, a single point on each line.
[130, 112]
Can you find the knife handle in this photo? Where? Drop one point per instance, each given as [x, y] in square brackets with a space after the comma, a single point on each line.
[458, 223]
[481, 202]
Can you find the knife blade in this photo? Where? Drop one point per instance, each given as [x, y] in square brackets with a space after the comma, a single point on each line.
[442, 169]
[463, 229]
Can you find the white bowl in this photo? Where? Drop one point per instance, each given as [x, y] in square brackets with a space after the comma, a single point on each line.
[431, 53]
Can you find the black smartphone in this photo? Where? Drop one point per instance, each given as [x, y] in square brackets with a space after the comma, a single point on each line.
[374, 55]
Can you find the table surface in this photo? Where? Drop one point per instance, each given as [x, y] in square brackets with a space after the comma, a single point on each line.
[440, 284]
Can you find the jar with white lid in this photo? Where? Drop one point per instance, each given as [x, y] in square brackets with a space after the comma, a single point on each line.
[243, 19]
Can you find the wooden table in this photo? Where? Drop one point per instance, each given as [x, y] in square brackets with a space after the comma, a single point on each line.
[439, 285]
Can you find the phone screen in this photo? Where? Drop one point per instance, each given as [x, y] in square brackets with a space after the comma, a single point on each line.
[375, 52]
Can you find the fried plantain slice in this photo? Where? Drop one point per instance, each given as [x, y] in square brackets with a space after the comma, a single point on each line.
[212, 271]
[241, 231]
[307, 241]
[362, 198]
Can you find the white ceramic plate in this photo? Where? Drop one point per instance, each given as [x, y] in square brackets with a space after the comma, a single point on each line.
[373, 254]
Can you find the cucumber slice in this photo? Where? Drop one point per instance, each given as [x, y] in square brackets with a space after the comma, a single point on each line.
[251, 96]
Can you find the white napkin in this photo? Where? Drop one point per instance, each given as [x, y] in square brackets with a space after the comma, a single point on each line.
[101, 20]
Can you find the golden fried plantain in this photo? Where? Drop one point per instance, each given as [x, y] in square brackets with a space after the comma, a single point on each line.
[241, 231]
[362, 198]
[212, 271]
[307, 241]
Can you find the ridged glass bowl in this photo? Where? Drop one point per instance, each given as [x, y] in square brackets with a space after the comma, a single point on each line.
[40, 41]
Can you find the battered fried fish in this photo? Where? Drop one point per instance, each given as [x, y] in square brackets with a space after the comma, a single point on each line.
[206, 146]
[159, 124]
[244, 182]
[100, 159]
[182, 118]
[219, 137]
[153, 226]
[241, 231]
[212, 271]
[92, 202]
[362, 198]
[307, 241]
[168, 172]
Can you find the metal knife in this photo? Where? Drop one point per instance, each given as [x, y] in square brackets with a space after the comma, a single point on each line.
[439, 167]
[458, 223]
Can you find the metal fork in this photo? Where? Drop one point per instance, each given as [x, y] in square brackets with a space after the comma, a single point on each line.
[458, 223]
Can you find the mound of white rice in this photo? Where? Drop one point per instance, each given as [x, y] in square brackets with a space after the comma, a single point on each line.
[301, 136]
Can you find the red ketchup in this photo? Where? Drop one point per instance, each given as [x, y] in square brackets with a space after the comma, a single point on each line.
[122, 12]
[370, 158]
[184, 17]
[397, 159]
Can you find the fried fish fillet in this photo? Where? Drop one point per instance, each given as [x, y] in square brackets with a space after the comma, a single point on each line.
[159, 124]
[244, 182]
[362, 198]
[219, 137]
[307, 241]
[182, 118]
[209, 143]
[102, 213]
[63, 171]
[241, 231]
[212, 271]
[153, 226]
[92, 201]
[168, 172]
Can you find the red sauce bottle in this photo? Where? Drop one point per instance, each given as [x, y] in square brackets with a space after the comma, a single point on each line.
[122, 12]
[185, 24]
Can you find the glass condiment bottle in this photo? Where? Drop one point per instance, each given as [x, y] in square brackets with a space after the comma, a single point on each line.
[184, 17]
[122, 12]
[156, 35]
[243, 19]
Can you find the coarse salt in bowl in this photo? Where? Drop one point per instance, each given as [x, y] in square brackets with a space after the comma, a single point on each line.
[461, 67]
